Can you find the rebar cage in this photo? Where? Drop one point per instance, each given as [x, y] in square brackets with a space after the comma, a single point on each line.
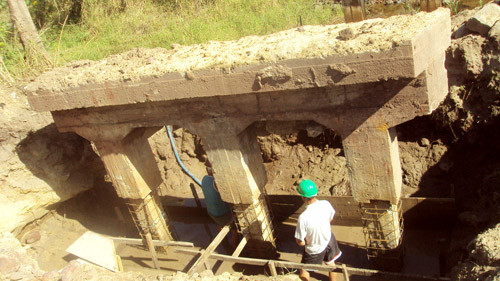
[254, 221]
[150, 217]
[383, 229]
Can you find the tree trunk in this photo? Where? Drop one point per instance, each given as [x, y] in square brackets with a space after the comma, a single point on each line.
[26, 29]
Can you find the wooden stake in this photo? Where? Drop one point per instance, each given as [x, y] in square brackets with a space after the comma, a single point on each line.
[344, 270]
[272, 268]
[209, 250]
[152, 250]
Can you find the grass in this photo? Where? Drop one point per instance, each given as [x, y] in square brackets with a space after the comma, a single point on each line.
[112, 28]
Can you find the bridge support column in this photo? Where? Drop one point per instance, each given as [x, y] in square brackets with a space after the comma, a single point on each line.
[132, 168]
[241, 176]
[375, 172]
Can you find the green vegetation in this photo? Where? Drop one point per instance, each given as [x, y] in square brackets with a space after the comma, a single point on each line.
[94, 29]
[454, 5]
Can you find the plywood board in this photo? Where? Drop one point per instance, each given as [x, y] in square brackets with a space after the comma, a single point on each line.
[95, 248]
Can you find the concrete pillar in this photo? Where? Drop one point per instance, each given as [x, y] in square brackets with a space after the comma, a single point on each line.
[132, 168]
[374, 168]
[372, 157]
[240, 176]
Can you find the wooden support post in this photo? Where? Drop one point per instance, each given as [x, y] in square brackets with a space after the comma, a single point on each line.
[198, 203]
[344, 271]
[152, 251]
[429, 5]
[240, 247]
[272, 268]
[209, 250]
[354, 10]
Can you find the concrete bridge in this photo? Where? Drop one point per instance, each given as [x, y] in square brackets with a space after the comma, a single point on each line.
[359, 79]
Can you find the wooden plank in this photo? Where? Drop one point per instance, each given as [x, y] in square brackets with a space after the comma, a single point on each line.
[152, 250]
[240, 247]
[209, 250]
[344, 271]
[330, 268]
[272, 268]
[250, 261]
[157, 243]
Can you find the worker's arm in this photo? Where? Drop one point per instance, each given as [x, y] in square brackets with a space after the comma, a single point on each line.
[300, 242]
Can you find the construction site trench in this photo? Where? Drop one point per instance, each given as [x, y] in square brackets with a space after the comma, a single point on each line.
[445, 140]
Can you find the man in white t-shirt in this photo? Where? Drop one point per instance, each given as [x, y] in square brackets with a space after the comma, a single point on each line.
[314, 231]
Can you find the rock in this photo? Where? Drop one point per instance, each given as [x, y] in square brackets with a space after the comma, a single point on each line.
[346, 34]
[460, 32]
[494, 32]
[486, 247]
[51, 276]
[17, 276]
[32, 237]
[8, 265]
[314, 130]
[424, 142]
[484, 20]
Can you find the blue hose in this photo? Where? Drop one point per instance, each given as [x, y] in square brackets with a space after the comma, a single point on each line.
[172, 142]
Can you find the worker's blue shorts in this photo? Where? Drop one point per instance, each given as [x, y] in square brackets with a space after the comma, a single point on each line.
[331, 253]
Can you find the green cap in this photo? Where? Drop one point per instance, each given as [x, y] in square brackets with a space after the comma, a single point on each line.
[307, 188]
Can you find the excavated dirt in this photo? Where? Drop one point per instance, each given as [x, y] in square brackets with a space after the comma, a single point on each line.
[307, 42]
